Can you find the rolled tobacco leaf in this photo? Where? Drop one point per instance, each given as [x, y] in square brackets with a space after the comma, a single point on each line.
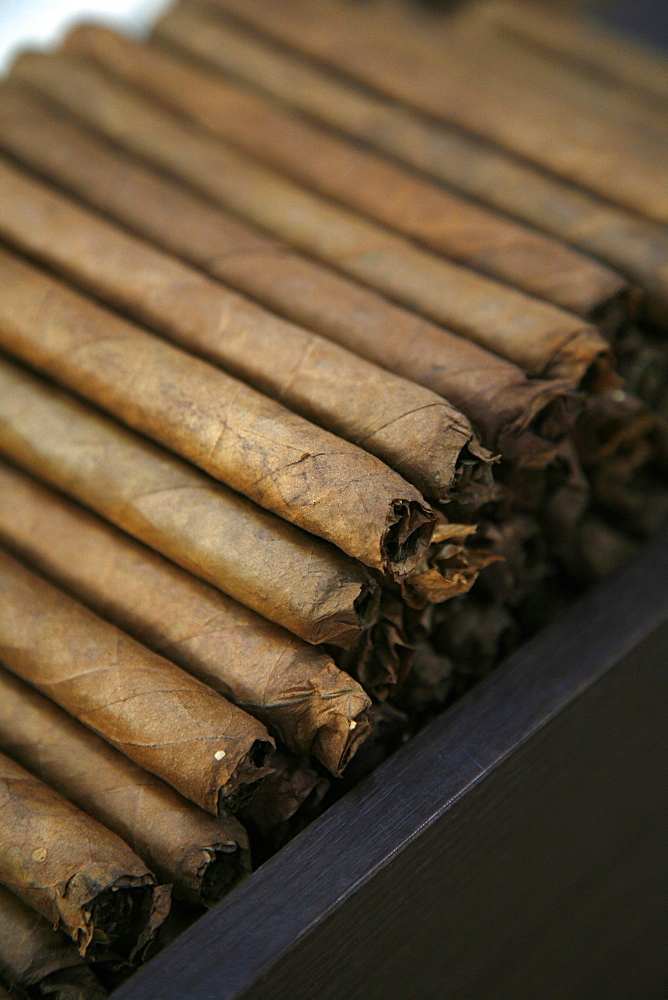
[295, 689]
[203, 857]
[299, 471]
[538, 336]
[623, 447]
[380, 47]
[635, 246]
[449, 567]
[643, 364]
[74, 871]
[286, 575]
[511, 56]
[576, 38]
[292, 797]
[335, 167]
[408, 426]
[32, 954]
[383, 656]
[152, 711]
[516, 416]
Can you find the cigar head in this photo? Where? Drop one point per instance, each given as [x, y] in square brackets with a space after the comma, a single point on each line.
[407, 536]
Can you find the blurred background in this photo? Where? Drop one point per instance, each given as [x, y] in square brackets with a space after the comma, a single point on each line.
[41, 22]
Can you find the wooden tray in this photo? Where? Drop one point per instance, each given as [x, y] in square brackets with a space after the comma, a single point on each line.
[515, 848]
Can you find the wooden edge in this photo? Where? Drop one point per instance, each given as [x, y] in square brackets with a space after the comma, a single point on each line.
[238, 942]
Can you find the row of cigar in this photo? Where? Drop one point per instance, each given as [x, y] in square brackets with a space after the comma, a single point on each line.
[313, 314]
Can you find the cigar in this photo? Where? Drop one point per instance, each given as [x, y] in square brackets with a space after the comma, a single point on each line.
[524, 565]
[592, 46]
[152, 711]
[289, 577]
[383, 656]
[623, 445]
[449, 567]
[599, 550]
[429, 684]
[513, 57]
[242, 438]
[391, 728]
[292, 798]
[473, 635]
[515, 416]
[623, 240]
[74, 871]
[643, 364]
[364, 181]
[32, 954]
[183, 845]
[538, 336]
[414, 430]
[383, 52]
[293, 688]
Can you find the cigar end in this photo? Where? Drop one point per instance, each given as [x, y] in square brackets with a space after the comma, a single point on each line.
[450, 566]
[125, 917]
[381, 660]
[407, 536]
[253, 768]
[617, 311]
[225, 865]
[586, 361]
[337, 742]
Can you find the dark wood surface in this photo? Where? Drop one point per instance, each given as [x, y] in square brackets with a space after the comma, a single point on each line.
[515, 848]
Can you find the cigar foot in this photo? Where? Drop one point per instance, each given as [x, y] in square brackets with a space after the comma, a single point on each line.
[406, 537]
[249, 772]
[128, 919]
[224, 868]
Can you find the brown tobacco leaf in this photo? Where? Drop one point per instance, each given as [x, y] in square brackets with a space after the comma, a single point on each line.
[407, 426]
[383, 656]
[331, 164]
[293, 785]
[450, 566]
[149, 709]
[242, 438]
[643, 364]
[439, 74]
[72, 870]
[574, 37]
[453, 157]
[203, 857]
[32, 954]
[540, 337]
[515, 415]
[294, 688]
[623, 447]
[281, 572]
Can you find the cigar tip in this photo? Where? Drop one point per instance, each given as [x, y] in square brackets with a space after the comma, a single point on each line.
[411, 525]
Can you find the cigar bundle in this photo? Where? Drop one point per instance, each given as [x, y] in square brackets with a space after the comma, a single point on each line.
[332, 365]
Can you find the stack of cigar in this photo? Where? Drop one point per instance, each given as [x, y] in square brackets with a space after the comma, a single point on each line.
[313, 314]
